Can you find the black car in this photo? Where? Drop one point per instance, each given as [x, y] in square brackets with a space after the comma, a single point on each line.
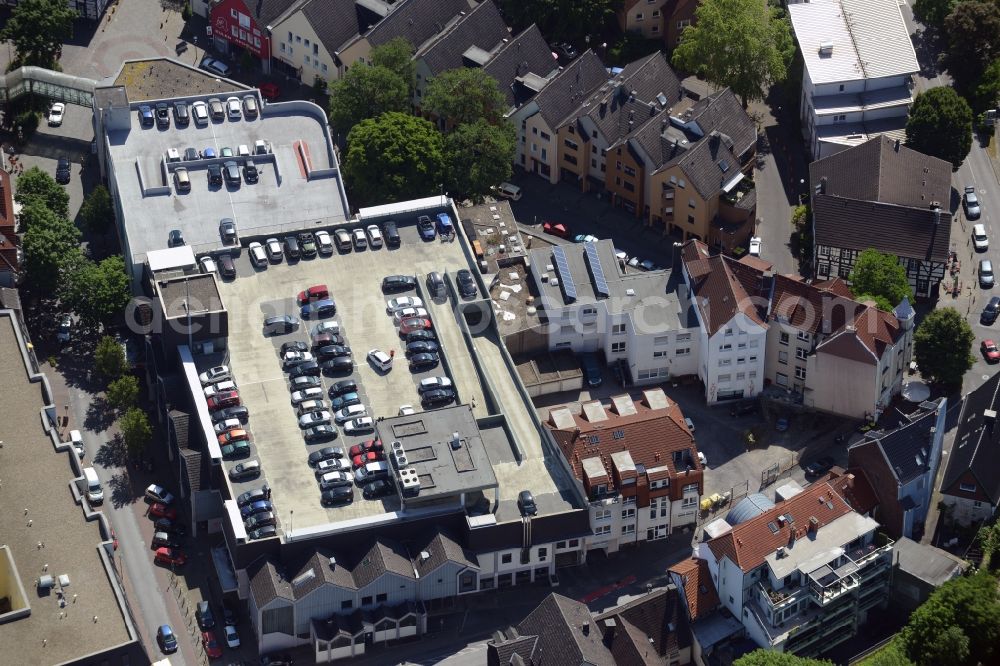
[526, 503]
[324, 339]
[420, 347]
[332, 351]
[250, 171]
[162, 115]
[251, 496]
[203, 613]
[435, 284]
[818, 467]
[231, 171]
[292, 247]
[280, 325]
[376, 489]
[396, 283]
[310, 368]
[226, 266]
[181, 115]
[420, 336]
[338, 365]
[337, 496]
[241, 413]
[991, 311]
[424, 361]
[169, 526]
[214, 174]
[566, 51]
[426, 227]
[326, 453]
[466, 285]
[295, 345]
[227, 229]
[346, 386]
[307, 243]
[391, 234]
[191, 154]
[437, 397]
[146, 118]
[62, 170]
[263, 533]
[175, 238]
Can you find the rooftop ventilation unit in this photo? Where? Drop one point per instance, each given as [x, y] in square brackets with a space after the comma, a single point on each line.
[826, 48]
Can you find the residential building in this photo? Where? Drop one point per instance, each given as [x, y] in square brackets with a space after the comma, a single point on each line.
[902, 465]
[643, 323]
[637, 464]
[11, 254]
[239, 26]
[971, 486]
[657, 19]
[885, 196]
[523, 66]
[919, 570]
[711, 632]
[801, 575]
[732, 327]
[677, 15]
[650, 629]
[858, 77]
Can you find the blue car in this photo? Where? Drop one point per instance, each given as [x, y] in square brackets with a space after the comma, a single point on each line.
[146, 116]
[444, 225]
[319, 309]
[345, 400]
[426, 227]
[256, 507]
[208, 153]
[166, 639]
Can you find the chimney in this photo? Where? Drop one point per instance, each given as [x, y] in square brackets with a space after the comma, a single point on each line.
[896, 146]
[586, 628]
[821, 188]
[813, 524]
[780, 552]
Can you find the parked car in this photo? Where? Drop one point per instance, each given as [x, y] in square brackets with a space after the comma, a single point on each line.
[157, 493]
[170, 526]
[819, 467]
[980, 240]
[337, 496]
[326, 453]
[970, 202]
[232, 636]
[526, 503]
[56, 114]
[236, 449]
[62, 170]
[216, 374]
[364, 447]
[280, 325]
[241, 413]
[166, 639]
[220, 400]
[307, 244]
[234, 108]
[292, 248]
[250, 107]
[755, 244]
[435, 284]
[291, 359]
[689, 423]
[565, 51]
[991, 311]
[591, 369]
[437, 397]
[366, 457]
[162, 112]
[309, 368]
[245, 470]
[359, 238]
[219, 387]
[306, 394]
[251, 496]
[340, 388]
[293, 345]
[265, 532]
[323, 242]
[986, 274]
[170, 556]
[407, 326]
[231, 174]
[422, 347]
[328, 352]
[338, 365]
[334, 480]
[363, 424]
[396, 283]
[379, 359]
[200, 112]
[343, 240]
[314, 419]
[227, 268]
[161, 510]
[258, 256]
[215, 66]
[311, 406]
[402, 303]
[345, 400]
[325, 340]
[555, 228]
[371, 472]
[208, 265]
[376, 489]
[420, 336]
[426, 228]
[203, 615]
[392, 238]
[319, 309]
[146, 118]
[466, 284]
[250, 172]
[320, 433]
[332, 465]
[408, 313]
[326, 327]
[990, 351]
[351, 412]
[255, 507]
[273, 248]
[432, 383]
[261, 519]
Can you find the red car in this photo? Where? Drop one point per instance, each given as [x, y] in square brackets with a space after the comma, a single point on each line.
[223, 399]
[990, 351]
[170, 556]
[234, 435]
[555, 229]
[365, 458]
[212, 647]
[270, 91]
[365, 447]
[317, 292]
[407, 326]
[161, 510]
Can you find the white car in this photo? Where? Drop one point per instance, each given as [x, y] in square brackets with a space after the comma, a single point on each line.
[408, 313]
[56, 114]
[311, 406]
[273, 246]
[160, 494]
[360, 240]
[199, 111]
[333, 465]
[208, 265]
[214, 66]
[314, 419]
[755, 246]
[332, 327]
[216, 374]
[219, 387]
[403, 302]
[431, 383]
[243, 150]
[234, 108]
[374, 236]
[702, 459]
[980, 240]
[307, 394]
[76, 439]
[380, 359]
[223, 426]
[406, 410]
[257, 255]
[363, 424]
[290, 359]
[232, 637]
[350, 412]
[323, 242]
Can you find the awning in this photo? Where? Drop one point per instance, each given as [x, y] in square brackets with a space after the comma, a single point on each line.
[731, 184]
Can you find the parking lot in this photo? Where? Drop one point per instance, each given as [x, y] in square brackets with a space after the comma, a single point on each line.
[354, 281]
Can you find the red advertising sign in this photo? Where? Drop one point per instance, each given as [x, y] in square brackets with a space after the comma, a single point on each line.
[232, 22]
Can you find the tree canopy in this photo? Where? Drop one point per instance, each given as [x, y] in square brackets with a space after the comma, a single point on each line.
[746, 46]
[123, 392]
[940, 124]
[562, 20]
[136, 431]
[50, 243]
[97, 292]
[396, 55]
[763, 657]
[35, 185]
[38, 29]
[933, 12]
[880, 275]
[366, 92]
[109, 358]
[394, 157]
[942, 346]
[97, 211]
[479, 156]
[988, 90]
[973, 33]
[465, 95]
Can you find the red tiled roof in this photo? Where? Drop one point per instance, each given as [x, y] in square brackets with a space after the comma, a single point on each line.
[749, 543]
[718, 293]
[836, 286]
[756, 262]
[855, 487]
[699, 590]
[6, 202]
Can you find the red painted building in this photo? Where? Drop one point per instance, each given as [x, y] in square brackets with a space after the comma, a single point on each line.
[235, 26]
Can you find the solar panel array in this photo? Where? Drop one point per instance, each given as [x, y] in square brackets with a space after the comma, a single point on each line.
[596, 270]
[565, 276]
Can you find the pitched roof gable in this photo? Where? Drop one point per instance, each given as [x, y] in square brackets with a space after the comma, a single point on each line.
[416, 21]
[527, 53]
[719, 295]
[558, 623]
[337, 22]
[906, 449]
[977, 442]
[709, 165]
[655, 620]
[696, 582]
[442, 549]
[566, 91]
[482, 28]
[722, 112]
[383, 557]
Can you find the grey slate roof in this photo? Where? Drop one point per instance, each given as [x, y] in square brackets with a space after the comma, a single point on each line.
[527, 53]
[709, 165]
[722, 112]
[505, 650]
[878, 171]
[655, 620]
[977, 445]
[384, 556]
[265, 11]
[483, 28]
[441, 549]
[266, 584]
[416, 21]
[907, 448]
[561, 98]
[931, 565]
[558, 622]
[338, 21]
[322, 571]
[858, 225]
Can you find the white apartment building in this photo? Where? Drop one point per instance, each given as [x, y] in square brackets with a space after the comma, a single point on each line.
[859, 64]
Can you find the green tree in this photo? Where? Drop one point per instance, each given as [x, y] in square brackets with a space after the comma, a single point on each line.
[38, 29]
[942, 346]
[50, 243]
[136, 431]
[890, 655]
[973, 32]
[366, 92]
[36, 185]
[479, 157]
[880, 301]
[123, 392]
[97, 211]
[746, 46]
[940, 124]
[465, 95]
[396, 55]
[394, 157]
[109, 358]
[933, 12]
[560, 20]
[989, 539]
[988, 91]
[763, 657]
[877, 274]
[97, 292]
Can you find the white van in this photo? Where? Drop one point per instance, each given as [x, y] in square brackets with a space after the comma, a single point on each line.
[95, 494]
[76, 439]
[509, 191]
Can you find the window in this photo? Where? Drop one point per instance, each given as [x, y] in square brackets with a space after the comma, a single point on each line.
[967, 487]
[783, 357]
[545, 137]
[656, 13]
[602, 514]
[740, 376]
[681, 183]
[683, 351]
[323, 67]
[366, 601]
[741, 360]
[726, 347]
[628, 529]
[753, 344]
[618, 434]
[781, 379]
[752, 359]
[752, 374]
[601, 530]
[800, 353]
[618, 347]
[629, 187]
[381, 597]
[569, 143]
[803, 336]
[574, 543]
[629, 171]
[542, 554]
[545, 154]
[662, 483]
[683, 24]
[800, 372]
[660, 354]
[506, 558]
[683, 337]
[841, 87]
[282, 47]
[298, 39]
[689, 501]
[307, 43]
[723, 362]
[691, 203]
[639, 17]
[783, 339]
[346, 604]
[307, 60]
[534, 130]
[628, 513]
[690, 219]
[725, 378]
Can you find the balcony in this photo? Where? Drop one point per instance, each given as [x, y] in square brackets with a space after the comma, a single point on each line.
[742, 196]
[776, 601]
[869, 553]
[824, 595]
